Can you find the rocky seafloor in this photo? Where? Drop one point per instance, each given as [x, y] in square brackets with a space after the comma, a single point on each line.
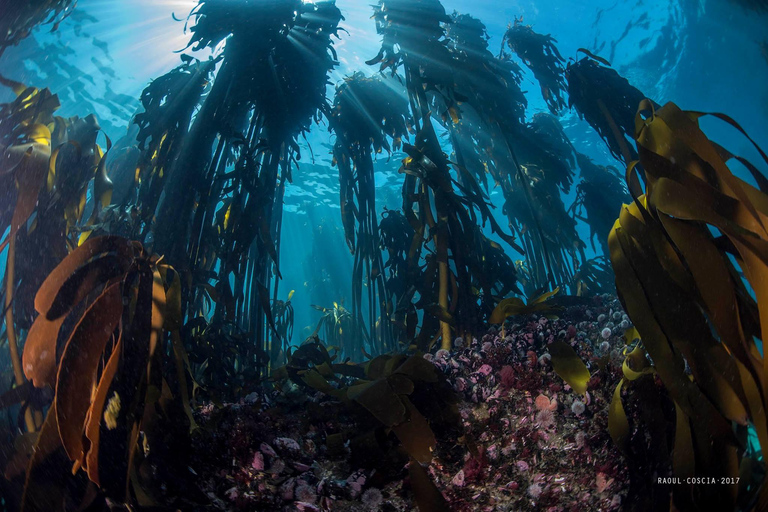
[528, 441]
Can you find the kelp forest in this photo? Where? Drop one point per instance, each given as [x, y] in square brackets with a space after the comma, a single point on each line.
[497, 314]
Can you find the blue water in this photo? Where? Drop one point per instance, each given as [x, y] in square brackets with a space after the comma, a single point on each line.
[702, 54]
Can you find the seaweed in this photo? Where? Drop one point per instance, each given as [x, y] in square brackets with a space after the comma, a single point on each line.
[49, 166]
[402, 403]
[367, 113]
[222, 206]
[19, 18]
[493, 109]
[600, 194]
[689, 254]
[606, 100]
[414, 39]
[100, 342]
[542, 57]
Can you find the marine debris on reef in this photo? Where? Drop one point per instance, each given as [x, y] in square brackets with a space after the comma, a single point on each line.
[527, 440]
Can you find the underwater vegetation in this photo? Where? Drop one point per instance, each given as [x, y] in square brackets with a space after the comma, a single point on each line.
[486, 358]
[19, 18]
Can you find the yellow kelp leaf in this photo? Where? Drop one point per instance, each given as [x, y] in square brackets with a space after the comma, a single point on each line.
[515, 306]
[380, 400]
[415, 434]
[636, 364]
[428, 497]
[316, 381]
[569, 366]
[40, 134]
[618, 426]
[631, 335]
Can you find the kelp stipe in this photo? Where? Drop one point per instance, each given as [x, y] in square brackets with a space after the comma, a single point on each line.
[410, 32]
[691, 257]
[367, 113]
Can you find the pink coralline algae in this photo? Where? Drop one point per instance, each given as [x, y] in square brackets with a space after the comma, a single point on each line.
[485, 369]
[526, 440]
[544, 403]
[258, 462]
[458, 480]
[507, 377]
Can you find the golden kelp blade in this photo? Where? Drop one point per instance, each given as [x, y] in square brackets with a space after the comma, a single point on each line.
[569, 366]
[682, 290]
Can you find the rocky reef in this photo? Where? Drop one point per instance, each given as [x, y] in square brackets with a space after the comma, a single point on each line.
[529, 442]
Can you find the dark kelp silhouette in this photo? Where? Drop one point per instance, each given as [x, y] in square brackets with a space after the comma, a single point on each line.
[223, 194]
[490, 137]
[606, 100]
[542, 57]
[414, 39]
[600, 194]
[19, 18]
[367, 113]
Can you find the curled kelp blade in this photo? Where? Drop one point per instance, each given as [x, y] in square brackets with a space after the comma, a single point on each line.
[78, 366]
[515, 306]
[97, 261]
[569, 366]
[618, 425]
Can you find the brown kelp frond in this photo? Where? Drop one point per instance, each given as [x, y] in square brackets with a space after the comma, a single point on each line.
[543, 143]
[367, 113]
[552, 246]
[600, 194]
[19, 18]
[539, 53]
[223, 361]
[99, 341]
[594, 277]
[48, 166]
[412, 29]
[607, 101]
[690, 260]
[341, 329]
[514, 306]
[489, 84]
[403, 405]
[169, 103]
